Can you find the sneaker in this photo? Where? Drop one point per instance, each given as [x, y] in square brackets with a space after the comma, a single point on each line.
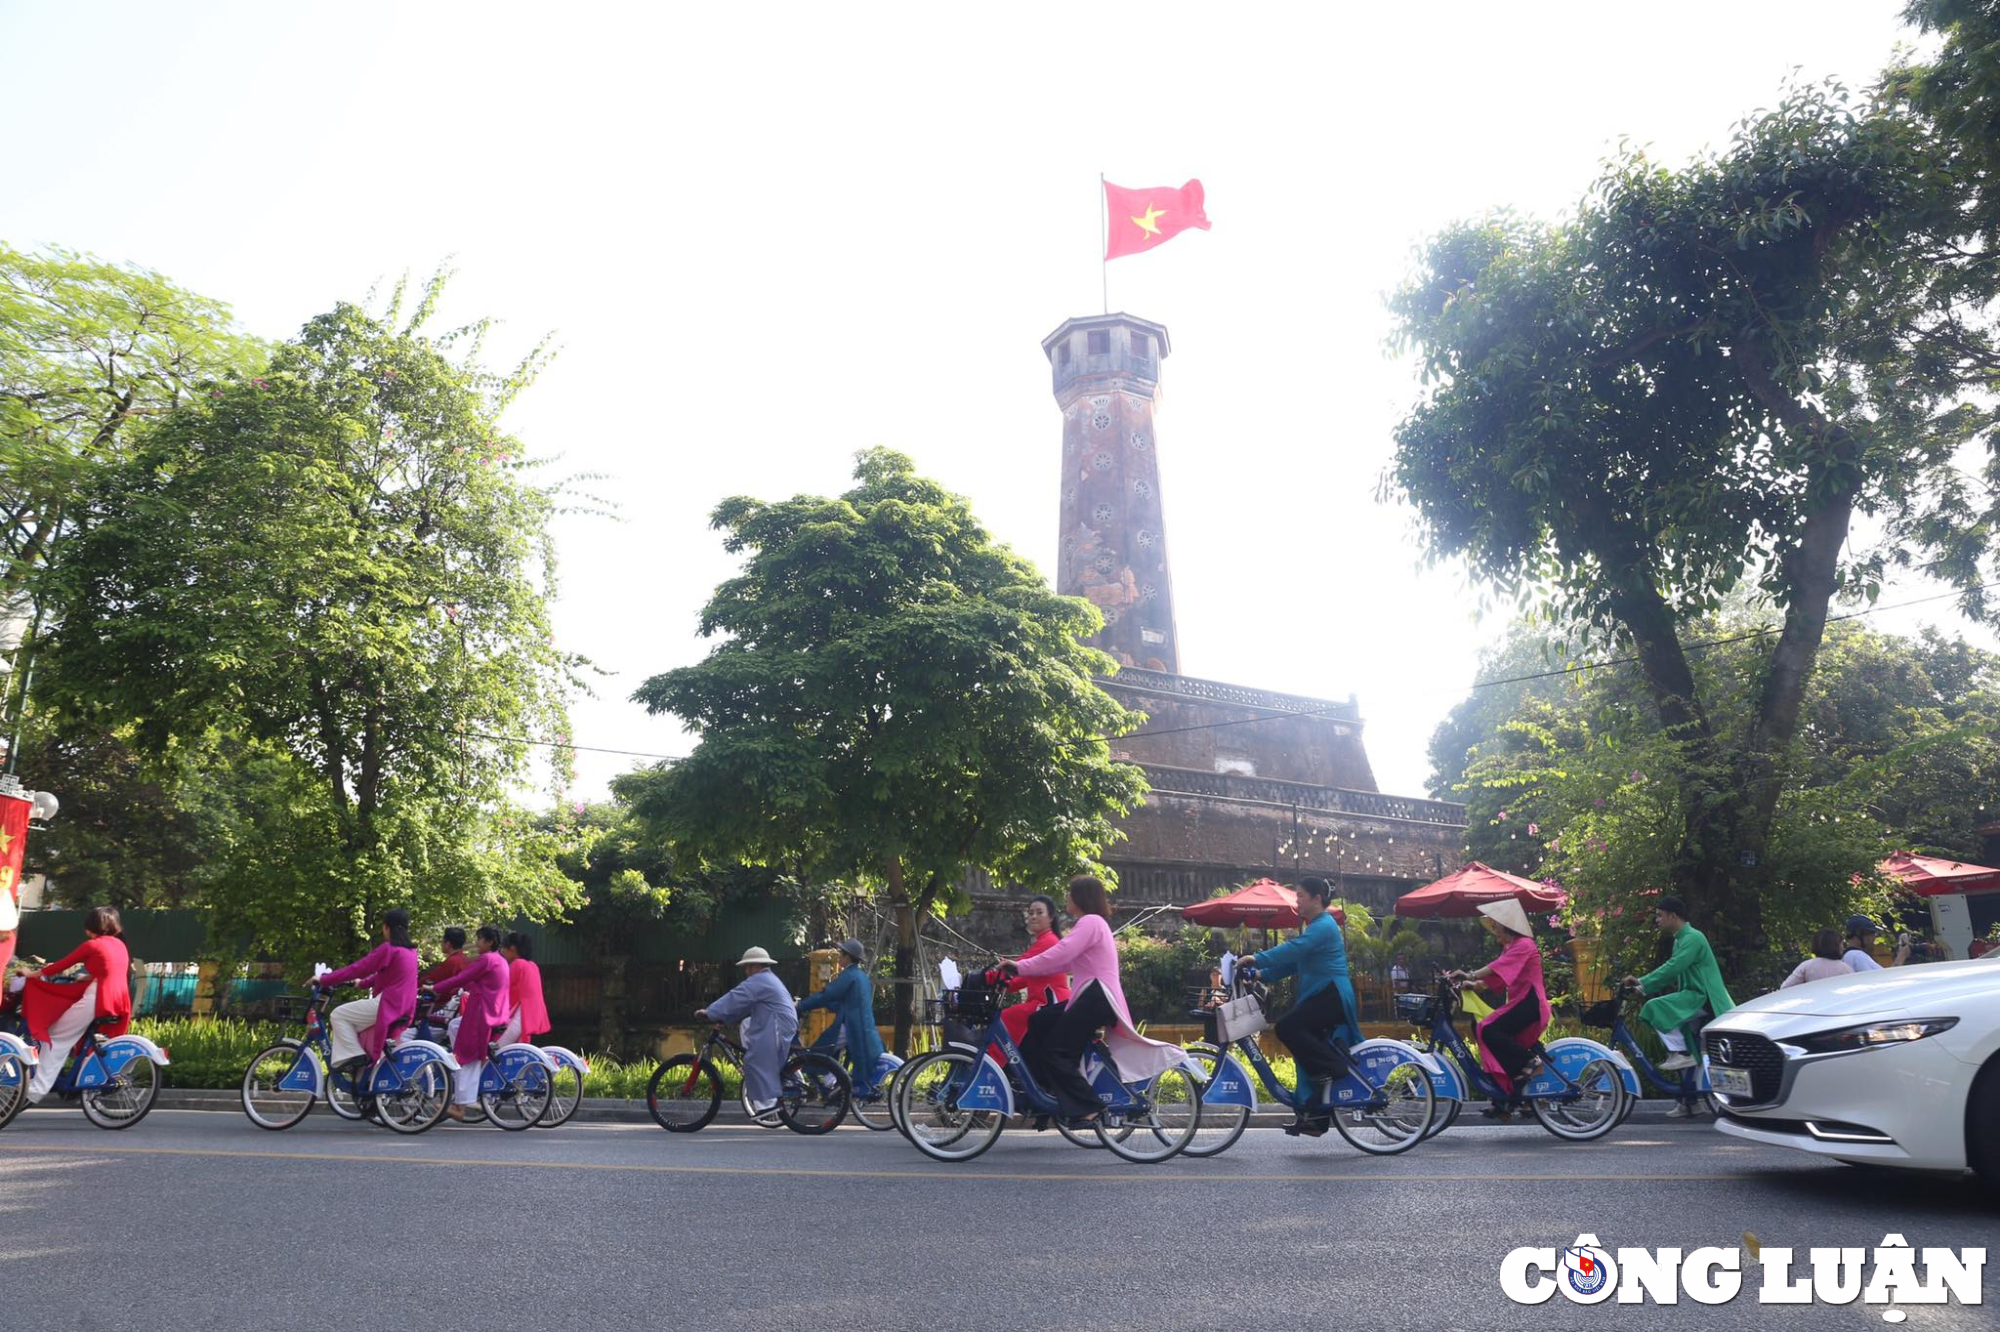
[1681, 1110]
[768, 1118]
[1674, 1063]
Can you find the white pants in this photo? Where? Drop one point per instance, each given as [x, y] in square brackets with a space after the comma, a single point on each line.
[507, 1036]
[1674, 1041]
[465, 1082]
[64, 1032]
[345, 1025]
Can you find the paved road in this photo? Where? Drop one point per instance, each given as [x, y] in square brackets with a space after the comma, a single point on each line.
[197, 1220]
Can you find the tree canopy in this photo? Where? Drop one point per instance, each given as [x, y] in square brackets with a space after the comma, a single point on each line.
[337, 565]
[1692, 387]
[893, 701]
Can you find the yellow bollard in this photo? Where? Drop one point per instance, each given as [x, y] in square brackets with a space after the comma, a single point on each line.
[822, 965]
[206, 980]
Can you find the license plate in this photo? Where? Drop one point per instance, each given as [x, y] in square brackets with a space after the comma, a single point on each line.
[1729, 1081]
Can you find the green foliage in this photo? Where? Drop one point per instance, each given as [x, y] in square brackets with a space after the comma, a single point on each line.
[1585, 787]
[335, 572]
[1688, 389]
[89, 353]
[1156, 973]
[893, 701]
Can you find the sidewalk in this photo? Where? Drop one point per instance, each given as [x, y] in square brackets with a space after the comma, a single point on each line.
[606, 1110]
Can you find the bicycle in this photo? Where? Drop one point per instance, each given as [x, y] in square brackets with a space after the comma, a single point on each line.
[114, 1082]
[1690, 1086]
[952, 1103]
[1383, 1104]
[565, 1083]
[685, 1092]
[406, 1090]
[1579, 1094]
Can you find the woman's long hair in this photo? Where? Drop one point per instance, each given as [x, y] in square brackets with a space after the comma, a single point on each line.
[397, 921]
[1049, 904]
[1089, 895]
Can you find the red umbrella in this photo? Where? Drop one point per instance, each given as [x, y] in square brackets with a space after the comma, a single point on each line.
[1462, 894]
[1265, 904]
[1929, 876]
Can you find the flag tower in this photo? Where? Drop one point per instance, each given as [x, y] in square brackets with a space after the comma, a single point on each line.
[1113, 547]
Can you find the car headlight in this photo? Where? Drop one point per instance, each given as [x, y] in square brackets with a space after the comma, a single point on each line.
[1847, 1039]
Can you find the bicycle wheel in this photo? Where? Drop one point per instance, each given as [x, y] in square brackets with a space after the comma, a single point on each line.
[524, 1096]
[877, 1110]
[340, 1084]
[1169, 1110]
[420, 1103]
[1446, 1116]
[125, 1099]
[1597, 1109]
[269, 1105]
[685, 1094]
[1088, 1138]
[1221, 1125]
[1399, 1121]
[13, 1087]
[813, 1093]
[565, 1097]
[927, 1106]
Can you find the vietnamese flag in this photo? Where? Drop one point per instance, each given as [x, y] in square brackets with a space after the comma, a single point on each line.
[1141, 219]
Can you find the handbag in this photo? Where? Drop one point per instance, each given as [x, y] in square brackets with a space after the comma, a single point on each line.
[1240, 1017]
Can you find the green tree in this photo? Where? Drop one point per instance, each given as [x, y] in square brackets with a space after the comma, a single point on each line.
[894, 702]
[90, 353]
[339, 564]
[1897, 748]
[1693, 385]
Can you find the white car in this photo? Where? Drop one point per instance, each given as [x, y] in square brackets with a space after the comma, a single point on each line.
[1897, 1067]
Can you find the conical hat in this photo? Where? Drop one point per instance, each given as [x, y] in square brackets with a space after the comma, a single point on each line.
[1510, 915]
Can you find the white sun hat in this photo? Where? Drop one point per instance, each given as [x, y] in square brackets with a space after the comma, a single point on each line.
[1510, 915]
[758, 957]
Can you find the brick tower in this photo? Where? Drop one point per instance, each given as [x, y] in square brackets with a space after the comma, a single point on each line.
[1114, 544]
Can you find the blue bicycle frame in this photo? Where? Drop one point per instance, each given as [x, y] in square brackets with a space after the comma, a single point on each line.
[992, 1086]
[1363, 1085]
[92, 1062]
[304, 1074]
[1689, 1088]
[1554, 1083]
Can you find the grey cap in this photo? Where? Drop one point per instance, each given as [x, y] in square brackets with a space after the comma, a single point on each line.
[852, 947]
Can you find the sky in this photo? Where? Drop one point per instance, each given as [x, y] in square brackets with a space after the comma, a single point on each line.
[768, 237]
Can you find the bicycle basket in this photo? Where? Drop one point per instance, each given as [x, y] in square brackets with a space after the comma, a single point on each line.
[1601, 1014]
[290, 1007]
[974, 1008]
[1416, 1007]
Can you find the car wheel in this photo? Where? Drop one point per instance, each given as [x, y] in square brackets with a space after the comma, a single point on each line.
[1982, 1125]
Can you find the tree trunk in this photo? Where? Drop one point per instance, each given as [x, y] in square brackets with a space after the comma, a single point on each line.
[906, 955]
[611, 1004]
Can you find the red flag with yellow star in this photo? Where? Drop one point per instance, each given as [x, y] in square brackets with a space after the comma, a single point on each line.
[1140, 219]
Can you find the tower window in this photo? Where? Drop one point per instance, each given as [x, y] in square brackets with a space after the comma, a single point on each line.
[1142, 346]
[1062, 353]
[1100, 341]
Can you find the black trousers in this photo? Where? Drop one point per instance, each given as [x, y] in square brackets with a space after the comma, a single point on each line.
[1053, 1048]
[1306, 1029]
[1502, 1036]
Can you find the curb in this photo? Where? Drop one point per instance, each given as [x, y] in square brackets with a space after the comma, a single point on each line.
[614, 1110]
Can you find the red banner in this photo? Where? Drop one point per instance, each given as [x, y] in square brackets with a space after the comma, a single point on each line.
[13, 845]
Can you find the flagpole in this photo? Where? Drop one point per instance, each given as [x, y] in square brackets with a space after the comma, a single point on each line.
[1104, 240]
